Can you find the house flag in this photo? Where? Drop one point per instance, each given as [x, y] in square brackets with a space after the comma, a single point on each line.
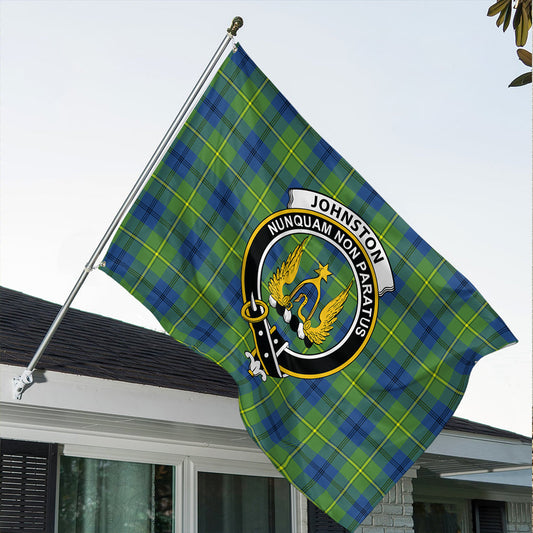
[258, 246]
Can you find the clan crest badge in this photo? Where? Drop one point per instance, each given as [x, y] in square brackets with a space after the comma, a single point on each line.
[312, 276]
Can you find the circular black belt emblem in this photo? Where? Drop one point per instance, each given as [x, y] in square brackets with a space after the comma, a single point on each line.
[310, 295]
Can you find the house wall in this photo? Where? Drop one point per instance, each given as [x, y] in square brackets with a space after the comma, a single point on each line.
[518, 517]
[98, 418]
[395, 512]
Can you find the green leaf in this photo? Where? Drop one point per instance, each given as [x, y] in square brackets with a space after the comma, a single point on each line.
[502, 16]
[523, 79]
[508, 15]
[516, 19]
[524, 56]
[524, 25]
[497, 7]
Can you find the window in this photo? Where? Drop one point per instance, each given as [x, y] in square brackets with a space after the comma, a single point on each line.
[97, 495]
[110, 490]
[432, 517]
[228, 503]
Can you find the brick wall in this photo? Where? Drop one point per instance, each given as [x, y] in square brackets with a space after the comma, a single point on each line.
[395, 512]
[518, 517]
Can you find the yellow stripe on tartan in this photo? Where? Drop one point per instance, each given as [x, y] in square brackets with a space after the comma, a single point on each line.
[343, 183]
[391, 222]
[260, 199]
[398, 322]
[256, 437]
[439, 297]
[179, 274]
[315, 431]
[263, 400]
[354, 383]
[217, 154]
[280, 138]
[420, 362]
[391, 332]
[259, 203]
[200, 294]
[398, 423]
[187, 204]
[236, 347]
[198, 214]
[363, 370]
[397, 426]
[249, 425]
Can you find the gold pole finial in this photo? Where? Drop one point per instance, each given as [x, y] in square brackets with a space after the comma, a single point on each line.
[236, 24]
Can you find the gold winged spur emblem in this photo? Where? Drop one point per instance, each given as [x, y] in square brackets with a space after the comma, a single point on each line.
[285, 275]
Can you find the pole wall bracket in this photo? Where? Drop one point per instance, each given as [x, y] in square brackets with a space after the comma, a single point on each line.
[21, 382]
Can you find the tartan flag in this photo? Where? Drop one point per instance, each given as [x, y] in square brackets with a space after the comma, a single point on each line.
[350, 339]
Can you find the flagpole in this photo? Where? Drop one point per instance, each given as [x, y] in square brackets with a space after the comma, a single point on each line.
[26, 378]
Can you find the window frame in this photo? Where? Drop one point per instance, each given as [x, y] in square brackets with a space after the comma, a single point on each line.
[186, 469]
[193, 465]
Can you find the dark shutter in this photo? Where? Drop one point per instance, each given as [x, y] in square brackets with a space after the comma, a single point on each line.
[320, 522]
[28, 474]
[489, 516]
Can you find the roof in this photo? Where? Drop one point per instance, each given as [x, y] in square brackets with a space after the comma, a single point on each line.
[467, 426]
[92, 345]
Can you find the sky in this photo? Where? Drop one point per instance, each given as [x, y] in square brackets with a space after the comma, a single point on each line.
[413, 94]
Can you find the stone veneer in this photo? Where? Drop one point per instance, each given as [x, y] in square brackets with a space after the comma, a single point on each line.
[394, 514]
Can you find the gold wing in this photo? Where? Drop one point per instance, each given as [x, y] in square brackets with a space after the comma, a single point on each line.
[286, 274]
[328, 315]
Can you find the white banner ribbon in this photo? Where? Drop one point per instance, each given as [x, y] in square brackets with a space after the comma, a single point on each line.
[354, 224]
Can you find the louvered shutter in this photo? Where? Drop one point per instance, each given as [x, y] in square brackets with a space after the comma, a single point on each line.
[28, 474]
[320, 522]
[489, 516]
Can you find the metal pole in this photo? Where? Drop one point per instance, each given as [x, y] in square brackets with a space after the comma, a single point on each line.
[26, 378]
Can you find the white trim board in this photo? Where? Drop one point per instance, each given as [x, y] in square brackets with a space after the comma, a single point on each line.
[81, 393]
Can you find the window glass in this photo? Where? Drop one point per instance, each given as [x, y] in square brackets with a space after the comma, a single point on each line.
[100, 496]
[436, 517]
[228, 503]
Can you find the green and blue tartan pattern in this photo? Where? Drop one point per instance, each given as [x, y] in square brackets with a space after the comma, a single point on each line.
[345, 439]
